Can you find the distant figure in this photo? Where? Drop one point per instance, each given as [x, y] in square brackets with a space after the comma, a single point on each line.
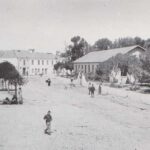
[20, 99]
[92, 90]
[72, 84]
[80, 77]
[48, 119]
[6, 101]
[100, 88]
[89, 88]
[48, 81]
[14, 100]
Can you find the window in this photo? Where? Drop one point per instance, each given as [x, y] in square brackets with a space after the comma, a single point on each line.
[42, 62]
[38, 62]
[32, 70]
[42, 70]
[45, 71]
[79, 66]
[93, 68]
[85, 68]
[32, 62]
[88, 68]
[24, 62]
[82, 66]
[76, 67]
[35, 71]
[47, 62]
[38, 70]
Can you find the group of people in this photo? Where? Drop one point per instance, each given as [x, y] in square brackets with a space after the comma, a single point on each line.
[91, 89]
[16, 99]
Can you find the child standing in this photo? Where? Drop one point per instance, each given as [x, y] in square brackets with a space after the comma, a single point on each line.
[48, 119]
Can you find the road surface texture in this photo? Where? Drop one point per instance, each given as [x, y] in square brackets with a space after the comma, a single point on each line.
[115, 120]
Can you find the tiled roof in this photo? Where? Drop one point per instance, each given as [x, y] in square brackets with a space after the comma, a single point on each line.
[100, 56]
[25, 54]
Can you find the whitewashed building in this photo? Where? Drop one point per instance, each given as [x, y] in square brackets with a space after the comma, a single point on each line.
[29, 62]
[90, 62]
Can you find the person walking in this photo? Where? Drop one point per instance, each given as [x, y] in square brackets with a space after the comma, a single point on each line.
[92, 90]
[48, 119]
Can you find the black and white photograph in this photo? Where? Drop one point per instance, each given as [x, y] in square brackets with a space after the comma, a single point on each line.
[74, 75]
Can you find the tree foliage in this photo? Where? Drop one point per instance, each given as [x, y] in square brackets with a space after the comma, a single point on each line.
[61, 65]
[102, 44]
[126, 63]
[145, 59]
[9, 73]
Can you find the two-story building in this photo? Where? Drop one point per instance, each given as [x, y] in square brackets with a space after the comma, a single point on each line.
[29, 62]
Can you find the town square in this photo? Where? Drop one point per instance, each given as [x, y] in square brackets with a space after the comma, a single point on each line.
[74, 75]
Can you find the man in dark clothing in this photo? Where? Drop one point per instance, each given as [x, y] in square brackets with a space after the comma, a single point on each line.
[92, 90]
[48, 82]
[48, 119]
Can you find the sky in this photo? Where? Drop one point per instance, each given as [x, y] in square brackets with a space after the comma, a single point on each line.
[48, 25]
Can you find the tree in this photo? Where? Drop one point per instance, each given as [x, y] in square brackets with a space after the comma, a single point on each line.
[9, 73]
[78, 48]
[102, 44]
[147, 44]
[139, 41]
[123, 42]
[145, 59]
[125, 62]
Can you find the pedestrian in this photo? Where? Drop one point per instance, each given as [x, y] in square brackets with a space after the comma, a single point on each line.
[14, 100]
[48, 119]
[92, 90]
[20, 99]
[48, 82]
[6, 101]
[100, 88]
[89, 88]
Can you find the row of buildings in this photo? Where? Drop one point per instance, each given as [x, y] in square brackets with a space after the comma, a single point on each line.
[29, 62]
[90, 62]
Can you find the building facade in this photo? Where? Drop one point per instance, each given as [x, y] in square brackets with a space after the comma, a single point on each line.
[29, 62]
[90, 62]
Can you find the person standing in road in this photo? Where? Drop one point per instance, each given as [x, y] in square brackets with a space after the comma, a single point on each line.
[100, 88]
[92, 90]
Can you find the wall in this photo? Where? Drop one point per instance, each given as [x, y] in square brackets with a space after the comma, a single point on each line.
[31, 69]
[36, 66]
[85, 67]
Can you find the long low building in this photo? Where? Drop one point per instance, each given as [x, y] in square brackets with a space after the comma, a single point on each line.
[29, 62]
[90, 61]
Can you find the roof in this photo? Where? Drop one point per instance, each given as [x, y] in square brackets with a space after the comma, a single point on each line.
[25, 54]
[100, 56]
